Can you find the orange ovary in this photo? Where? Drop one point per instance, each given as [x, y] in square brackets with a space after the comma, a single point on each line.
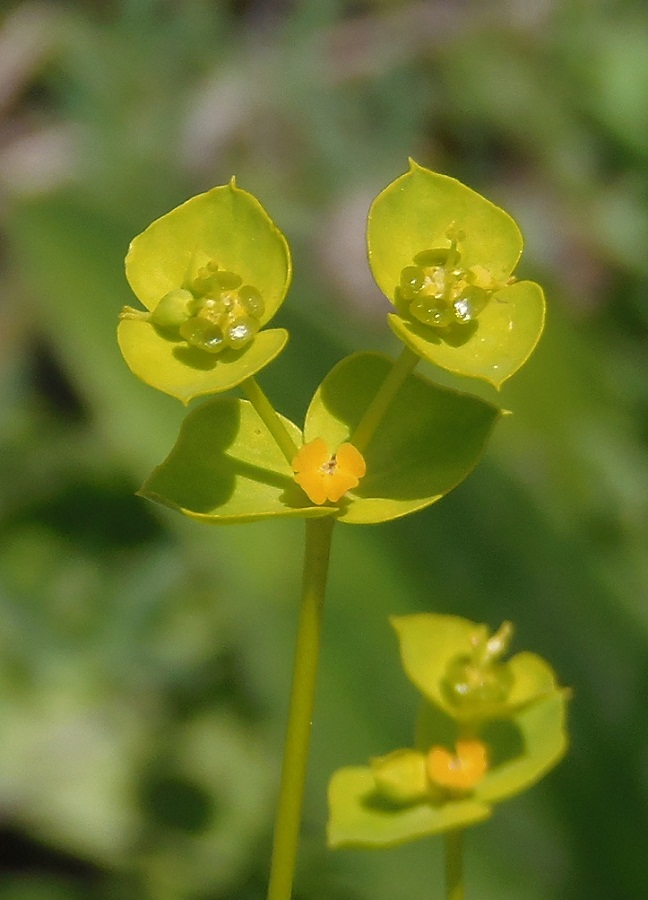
[324, 476]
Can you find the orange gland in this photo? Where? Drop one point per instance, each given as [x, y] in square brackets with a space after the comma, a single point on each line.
[460, 772]
[324, 476]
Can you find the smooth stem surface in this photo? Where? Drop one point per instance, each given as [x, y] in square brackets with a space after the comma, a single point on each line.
[300, 713]
[454, 882]
[404, 365]
[271, 420]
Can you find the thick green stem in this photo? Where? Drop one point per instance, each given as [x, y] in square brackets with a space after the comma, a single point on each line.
[286, 836]
[271, 420]
[454, 882]
[404, 365]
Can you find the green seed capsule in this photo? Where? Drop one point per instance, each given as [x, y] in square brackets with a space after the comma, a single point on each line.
[412, 279]
[470, 303]
[428, 258]
[475, 689]
[203, 335]
[241, 331]
[432, 310]
[251, 301]
[172, 310]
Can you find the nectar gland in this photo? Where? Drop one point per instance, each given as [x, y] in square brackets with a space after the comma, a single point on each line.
[323, 476]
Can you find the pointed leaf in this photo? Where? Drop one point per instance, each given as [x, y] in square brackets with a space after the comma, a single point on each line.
[226, 468]
[360, 817]
[428, 442]
[184, 372]
[494, 346]
[520, 749]
[543, 737]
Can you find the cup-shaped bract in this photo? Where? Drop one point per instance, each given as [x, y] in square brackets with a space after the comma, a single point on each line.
[445, 256]
[446, 659]
[210, 273]
[458, 769]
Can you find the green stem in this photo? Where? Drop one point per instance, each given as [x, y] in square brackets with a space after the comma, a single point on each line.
[286, 836]
[454, 882]
[404, 365]
[271, 420]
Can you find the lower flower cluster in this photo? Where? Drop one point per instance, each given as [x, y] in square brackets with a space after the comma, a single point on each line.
[487, 729]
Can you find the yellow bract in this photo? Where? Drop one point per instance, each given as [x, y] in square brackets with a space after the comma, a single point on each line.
[324, 476]
[457, 773]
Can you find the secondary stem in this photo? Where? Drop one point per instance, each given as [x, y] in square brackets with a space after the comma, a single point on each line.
[286, 836]
[271, 420]
[404, 365]
[454, 882]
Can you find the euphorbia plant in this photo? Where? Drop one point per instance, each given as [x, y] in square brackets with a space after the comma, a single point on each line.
[487, 729]
[377, 442]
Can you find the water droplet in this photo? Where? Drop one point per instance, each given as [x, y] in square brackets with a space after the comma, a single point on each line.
[463, 310]
[241, 331]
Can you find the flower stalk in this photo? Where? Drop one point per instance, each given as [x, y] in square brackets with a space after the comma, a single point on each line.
[404, 366]
[271, 420]
[453, 849]
[302, 696]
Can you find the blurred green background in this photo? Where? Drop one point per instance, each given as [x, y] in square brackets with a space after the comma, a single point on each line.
[145, 659]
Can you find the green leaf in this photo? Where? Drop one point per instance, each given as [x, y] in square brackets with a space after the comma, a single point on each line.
[543, 737]
[360, 817]
[226, 468]
[521, 748]
[227, 225]
[492, 348]
[414, 213]
[430, 643]
[184, 372]
[428, 442]
[225, 228]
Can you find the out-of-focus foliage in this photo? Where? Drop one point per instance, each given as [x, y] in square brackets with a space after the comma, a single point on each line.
[144, 660]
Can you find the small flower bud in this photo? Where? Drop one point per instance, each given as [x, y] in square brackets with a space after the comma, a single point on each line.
[401, 776]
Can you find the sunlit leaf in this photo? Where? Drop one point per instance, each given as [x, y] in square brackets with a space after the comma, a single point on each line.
[429, 441]
[360, 817]
[225, 468]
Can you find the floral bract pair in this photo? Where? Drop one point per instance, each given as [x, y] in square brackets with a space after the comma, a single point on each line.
[487, 730]
[213, 272]
[445, 257]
